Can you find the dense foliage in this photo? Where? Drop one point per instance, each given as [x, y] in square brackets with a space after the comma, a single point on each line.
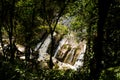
[28, 22]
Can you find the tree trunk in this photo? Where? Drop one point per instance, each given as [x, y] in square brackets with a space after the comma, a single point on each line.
[51, 51]
[12, 52]
[1, 25]
[97, 66]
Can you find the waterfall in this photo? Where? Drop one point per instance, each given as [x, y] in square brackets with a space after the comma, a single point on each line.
[71, 55]
[75, 55]
[80, 58]
[60, 45]
[44, 47]
[69, 52]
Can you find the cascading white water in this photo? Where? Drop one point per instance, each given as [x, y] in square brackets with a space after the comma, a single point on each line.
[45, 45]
[71, 55]
[43, 48]
[76, 59]
[60, 45]
[80, 58]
